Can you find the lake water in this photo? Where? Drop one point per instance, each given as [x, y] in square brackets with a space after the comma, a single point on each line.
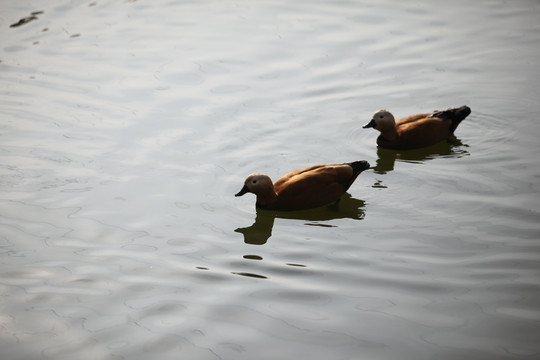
[126, 128]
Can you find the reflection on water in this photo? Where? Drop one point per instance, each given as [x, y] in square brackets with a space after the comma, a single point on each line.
[252, 275]
[261, 230]
[452, 147]
[27, 19]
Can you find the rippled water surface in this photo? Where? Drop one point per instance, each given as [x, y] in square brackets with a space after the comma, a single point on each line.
[126, 128]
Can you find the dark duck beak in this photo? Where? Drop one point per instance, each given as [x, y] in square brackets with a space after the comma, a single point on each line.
[242, 191]
[370, 124]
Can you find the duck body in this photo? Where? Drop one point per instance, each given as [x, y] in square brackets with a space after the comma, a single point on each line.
[302, 189]
[418, 130]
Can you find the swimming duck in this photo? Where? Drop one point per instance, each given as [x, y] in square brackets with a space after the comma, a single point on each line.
[302, 189]
[418, 130]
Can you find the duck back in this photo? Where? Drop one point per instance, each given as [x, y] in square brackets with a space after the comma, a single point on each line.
[316, 185]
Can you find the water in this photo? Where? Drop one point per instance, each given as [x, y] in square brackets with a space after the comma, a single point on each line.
[128, 126]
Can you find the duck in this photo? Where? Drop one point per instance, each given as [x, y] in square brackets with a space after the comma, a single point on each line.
[305, 188]
[416, 131]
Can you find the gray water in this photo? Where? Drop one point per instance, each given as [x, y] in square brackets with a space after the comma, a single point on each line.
[126, 128]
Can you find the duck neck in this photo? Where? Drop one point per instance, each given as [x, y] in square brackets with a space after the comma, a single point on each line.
[388, 134]
[266, 198]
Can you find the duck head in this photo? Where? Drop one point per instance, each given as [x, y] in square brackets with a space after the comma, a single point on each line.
[257, 184]
[381, 120]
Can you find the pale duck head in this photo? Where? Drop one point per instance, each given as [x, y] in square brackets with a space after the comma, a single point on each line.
[381, 119]
[256, 183]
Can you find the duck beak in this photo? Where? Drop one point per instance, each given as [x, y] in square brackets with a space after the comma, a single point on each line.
[243, 191]
[370, 124]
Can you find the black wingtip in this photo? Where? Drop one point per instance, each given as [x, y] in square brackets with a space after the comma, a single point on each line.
[359, 166]
[462, 112]
[455, 115]
[458, 115]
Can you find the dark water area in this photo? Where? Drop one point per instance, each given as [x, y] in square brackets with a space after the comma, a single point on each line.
[126, 128]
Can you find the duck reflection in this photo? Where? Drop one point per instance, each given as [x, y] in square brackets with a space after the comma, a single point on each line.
[452, 147]
[261, 230]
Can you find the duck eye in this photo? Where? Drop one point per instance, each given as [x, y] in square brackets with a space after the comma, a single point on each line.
[381, 116]
[253, 181]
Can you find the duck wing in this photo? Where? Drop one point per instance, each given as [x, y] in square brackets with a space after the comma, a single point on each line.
[316, 185]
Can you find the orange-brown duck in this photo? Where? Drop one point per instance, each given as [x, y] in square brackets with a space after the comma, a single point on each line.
[418, 130]
[306, 188]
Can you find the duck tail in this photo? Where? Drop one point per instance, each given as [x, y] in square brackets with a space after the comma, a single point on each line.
[359, 166]
[455, 115]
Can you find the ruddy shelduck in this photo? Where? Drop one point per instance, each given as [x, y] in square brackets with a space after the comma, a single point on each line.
[418, 130]
[302, 189]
